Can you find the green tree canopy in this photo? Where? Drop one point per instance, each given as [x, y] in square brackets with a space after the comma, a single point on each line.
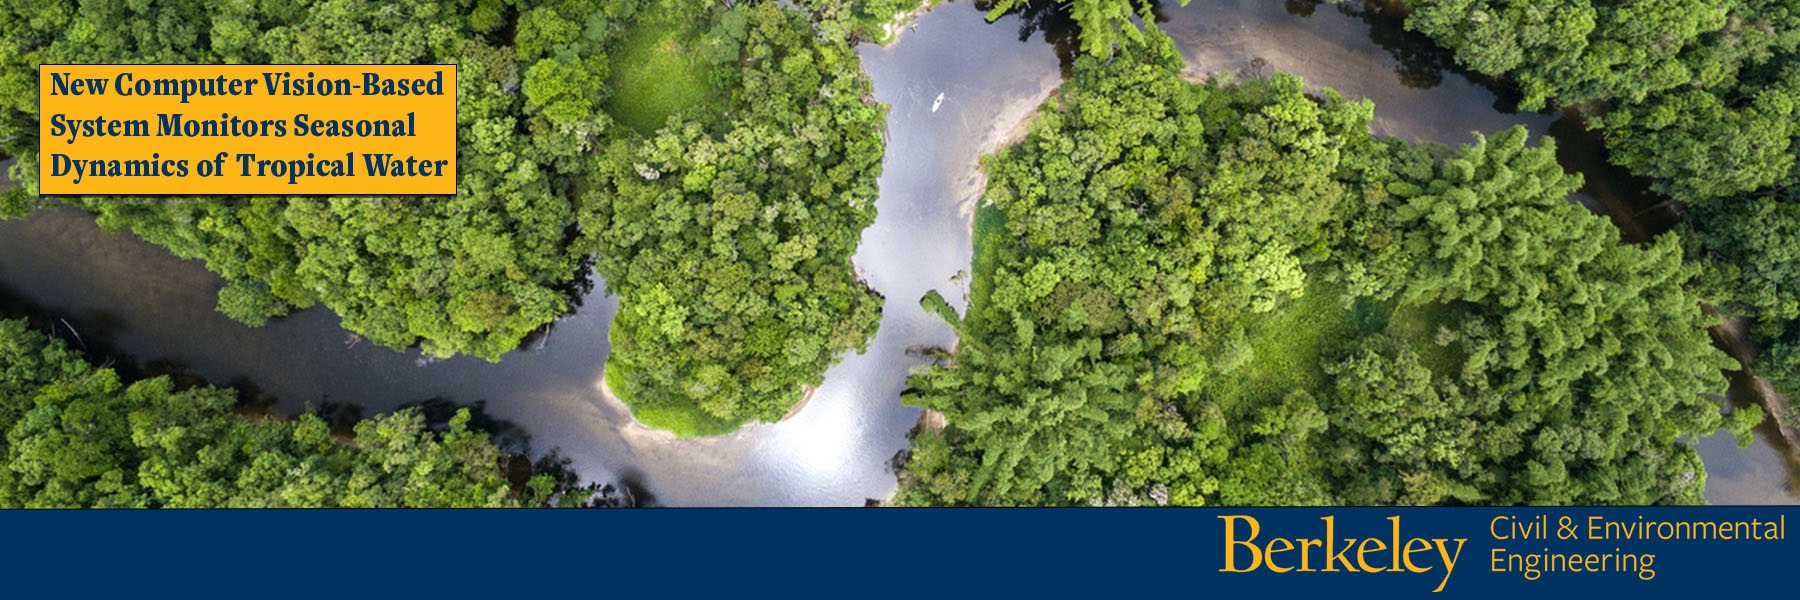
[729, 237]
[1151, 247]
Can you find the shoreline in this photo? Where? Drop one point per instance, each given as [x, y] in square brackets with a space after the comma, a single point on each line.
[806, 396]
[890, 31]
[1729, 336]
[607, 395]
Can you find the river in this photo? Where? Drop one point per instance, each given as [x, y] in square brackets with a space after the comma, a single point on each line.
[154, 312]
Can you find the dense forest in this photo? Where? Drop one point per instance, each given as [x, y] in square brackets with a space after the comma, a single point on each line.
[717, 163]
[1702, 98]
[1231, 293]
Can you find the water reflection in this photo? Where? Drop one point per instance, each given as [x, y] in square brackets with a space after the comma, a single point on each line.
[1047, 18]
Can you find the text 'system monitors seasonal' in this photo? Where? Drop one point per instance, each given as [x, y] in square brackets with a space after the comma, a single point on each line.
[247, 129]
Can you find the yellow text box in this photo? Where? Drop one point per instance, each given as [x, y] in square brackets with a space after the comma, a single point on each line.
[202, 130]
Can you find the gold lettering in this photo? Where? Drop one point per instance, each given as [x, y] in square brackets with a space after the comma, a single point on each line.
[1449, 559]
[1269, 556]
[1423, 546]
[1362, 555]
[1231, 539]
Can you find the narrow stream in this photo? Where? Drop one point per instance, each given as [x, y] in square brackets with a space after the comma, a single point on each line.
[154, 312]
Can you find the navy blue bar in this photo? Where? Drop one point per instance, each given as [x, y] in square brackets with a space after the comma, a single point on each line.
[844, 553]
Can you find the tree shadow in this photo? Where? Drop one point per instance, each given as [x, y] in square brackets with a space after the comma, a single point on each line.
[1048, 18]
[91, 333]
[1421, 63]
[1302, 8]
[568, 490]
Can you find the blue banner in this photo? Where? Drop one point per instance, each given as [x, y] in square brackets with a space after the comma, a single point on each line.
[996, 553]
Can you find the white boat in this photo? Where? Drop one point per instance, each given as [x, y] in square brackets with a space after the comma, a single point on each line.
[938, 102]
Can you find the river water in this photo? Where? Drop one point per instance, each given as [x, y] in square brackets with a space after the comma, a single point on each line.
[154, 313]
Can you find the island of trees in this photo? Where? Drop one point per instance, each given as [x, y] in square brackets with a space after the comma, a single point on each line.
[1231, 293]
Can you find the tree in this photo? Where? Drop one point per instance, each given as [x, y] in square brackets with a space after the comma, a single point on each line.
[1141, 216]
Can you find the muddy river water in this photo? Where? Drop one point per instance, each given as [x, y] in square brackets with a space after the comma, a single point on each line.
[154, 312]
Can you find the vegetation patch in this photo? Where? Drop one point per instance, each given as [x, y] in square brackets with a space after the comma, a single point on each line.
[1165, 317]
[865, 20]
[1705, 103]
[1288, 348]
[987, 234]
[659, 70]
[729, 235]
[683, 420]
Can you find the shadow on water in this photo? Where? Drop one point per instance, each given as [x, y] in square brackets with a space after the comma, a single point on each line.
[341, 417]
[575, 293]
[1640, 213]
[252, 400]
[1302, 8]
[1053, 21]
[91, 334]
[1420, 63]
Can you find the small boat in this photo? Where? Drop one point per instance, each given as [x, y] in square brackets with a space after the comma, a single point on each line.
[938, 102]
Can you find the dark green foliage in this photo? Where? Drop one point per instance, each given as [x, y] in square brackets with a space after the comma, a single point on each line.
[1700, 96]
[1700, 149]
[1585, 359]
[1496, 344]
[1574, 50]
[729, 237]
[76, 436]
[1703, 98]
[1753, 258]
[1751, 253]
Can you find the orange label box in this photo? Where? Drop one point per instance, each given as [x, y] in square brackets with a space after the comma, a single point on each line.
[214, 130]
